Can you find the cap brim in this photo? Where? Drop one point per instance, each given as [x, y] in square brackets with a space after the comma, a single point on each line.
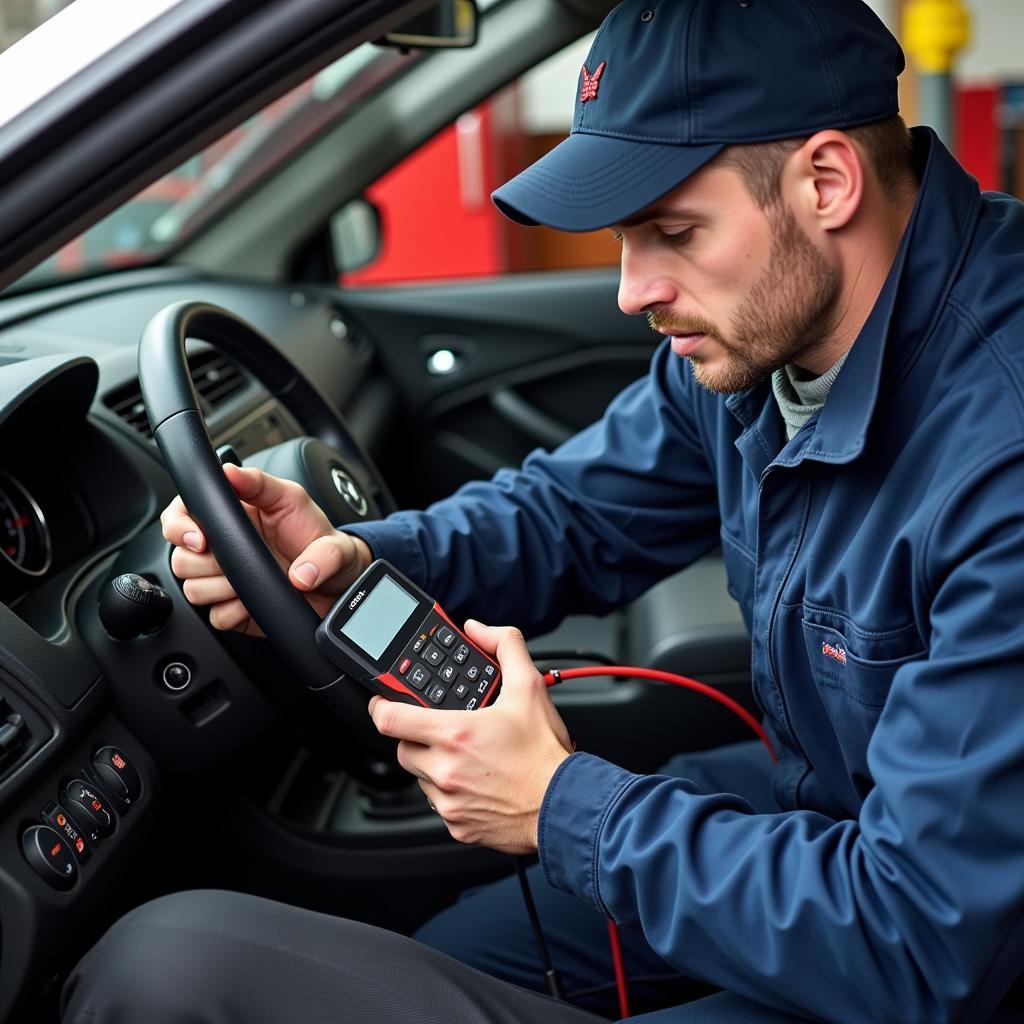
[593, 181]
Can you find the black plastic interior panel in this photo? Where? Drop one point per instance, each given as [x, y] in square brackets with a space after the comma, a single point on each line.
[459, 440]
[23, 730]
[215, 716]
[42, 925]
[539, 358]
[688, 623]
[509, 323]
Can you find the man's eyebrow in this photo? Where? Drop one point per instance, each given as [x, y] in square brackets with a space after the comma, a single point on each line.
[660, 213]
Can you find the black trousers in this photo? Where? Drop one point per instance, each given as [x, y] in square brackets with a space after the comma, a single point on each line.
[210, 957]
[229, 958]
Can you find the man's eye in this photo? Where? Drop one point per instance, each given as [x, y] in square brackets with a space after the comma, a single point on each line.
[677, 237]
[616, 236]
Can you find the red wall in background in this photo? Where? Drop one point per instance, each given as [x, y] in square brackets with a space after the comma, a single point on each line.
[977, 128]
[436, 210]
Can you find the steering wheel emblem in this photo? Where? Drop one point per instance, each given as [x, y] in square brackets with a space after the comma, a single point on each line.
[346, 487]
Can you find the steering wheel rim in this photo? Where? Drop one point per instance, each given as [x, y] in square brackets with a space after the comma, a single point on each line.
[179, 430]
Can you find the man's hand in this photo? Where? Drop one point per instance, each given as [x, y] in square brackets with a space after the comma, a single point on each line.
[486, 771]
[320, 561]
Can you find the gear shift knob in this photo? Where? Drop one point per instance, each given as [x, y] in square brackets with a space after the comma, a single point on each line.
[131, 606]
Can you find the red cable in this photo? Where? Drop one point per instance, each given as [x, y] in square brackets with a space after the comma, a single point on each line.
[559, 676]
[630, 672]
[620, 969]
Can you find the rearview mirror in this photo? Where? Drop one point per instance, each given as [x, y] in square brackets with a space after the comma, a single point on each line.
[451, 24]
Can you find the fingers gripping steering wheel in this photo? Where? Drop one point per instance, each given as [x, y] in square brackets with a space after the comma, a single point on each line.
[180, 433]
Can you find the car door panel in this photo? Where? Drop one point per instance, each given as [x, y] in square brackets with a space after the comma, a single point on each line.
[538, 357]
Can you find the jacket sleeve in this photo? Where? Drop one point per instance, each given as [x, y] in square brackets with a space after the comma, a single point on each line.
[584, 528]
[914, 911]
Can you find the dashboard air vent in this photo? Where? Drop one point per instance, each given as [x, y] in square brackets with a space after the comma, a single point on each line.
[126, 402]
[215, 378]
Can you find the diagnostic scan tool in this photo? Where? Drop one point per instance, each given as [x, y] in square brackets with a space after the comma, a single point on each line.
[388, 634]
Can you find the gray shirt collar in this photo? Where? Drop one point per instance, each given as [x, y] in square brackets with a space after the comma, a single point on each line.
[800, 397]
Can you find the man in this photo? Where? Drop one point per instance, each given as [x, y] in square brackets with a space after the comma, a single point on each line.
[840, 405]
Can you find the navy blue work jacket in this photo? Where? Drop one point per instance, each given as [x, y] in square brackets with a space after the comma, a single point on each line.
[878, 558]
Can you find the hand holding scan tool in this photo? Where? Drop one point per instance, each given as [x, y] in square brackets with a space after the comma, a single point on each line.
[388, 634]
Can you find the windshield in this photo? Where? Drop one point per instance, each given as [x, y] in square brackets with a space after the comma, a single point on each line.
[167, 212]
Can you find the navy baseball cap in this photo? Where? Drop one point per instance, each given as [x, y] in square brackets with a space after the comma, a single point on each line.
[668, 84]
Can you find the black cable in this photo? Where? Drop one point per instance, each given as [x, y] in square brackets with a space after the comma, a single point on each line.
[551, 979]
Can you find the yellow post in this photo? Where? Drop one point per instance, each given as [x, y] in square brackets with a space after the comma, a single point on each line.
[934, 32]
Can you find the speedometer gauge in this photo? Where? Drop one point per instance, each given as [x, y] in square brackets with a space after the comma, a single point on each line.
[24, 538]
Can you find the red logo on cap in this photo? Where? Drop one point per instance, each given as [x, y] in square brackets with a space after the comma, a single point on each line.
[590, 83]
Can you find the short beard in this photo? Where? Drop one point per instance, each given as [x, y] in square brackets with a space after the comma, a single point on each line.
[789, 313]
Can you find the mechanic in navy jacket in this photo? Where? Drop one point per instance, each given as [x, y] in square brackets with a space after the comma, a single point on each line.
[839, 404]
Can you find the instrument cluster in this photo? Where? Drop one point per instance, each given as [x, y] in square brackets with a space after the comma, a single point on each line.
[45, 525]
[25, 543]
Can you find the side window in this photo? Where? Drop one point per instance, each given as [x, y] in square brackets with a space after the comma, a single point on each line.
[436, 218]
[19, 17]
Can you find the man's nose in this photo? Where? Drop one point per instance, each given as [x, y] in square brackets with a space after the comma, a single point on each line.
[643, 284]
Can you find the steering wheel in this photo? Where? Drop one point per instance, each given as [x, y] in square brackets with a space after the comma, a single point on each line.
[180, 433]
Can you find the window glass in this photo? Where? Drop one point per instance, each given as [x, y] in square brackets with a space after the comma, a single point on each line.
[19, 17]
[181, 202]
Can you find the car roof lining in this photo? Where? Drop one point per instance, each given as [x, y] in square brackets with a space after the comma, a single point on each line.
[258, 236]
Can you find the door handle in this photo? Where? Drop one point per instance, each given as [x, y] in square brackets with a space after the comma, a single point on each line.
[536, 424]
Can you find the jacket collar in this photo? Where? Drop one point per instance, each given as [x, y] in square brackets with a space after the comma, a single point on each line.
[922, 274]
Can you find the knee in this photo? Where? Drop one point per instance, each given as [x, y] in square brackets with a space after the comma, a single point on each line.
[155, 964]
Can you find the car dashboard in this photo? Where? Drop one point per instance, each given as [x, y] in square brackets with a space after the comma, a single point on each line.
[94, 731]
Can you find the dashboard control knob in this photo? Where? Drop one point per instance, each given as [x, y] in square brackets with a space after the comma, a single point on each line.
[50, 856]
[131, 606]
[88, 810]
[118, 776]
[176, 676]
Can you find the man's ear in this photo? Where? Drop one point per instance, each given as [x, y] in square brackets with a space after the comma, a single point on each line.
[823, 181]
